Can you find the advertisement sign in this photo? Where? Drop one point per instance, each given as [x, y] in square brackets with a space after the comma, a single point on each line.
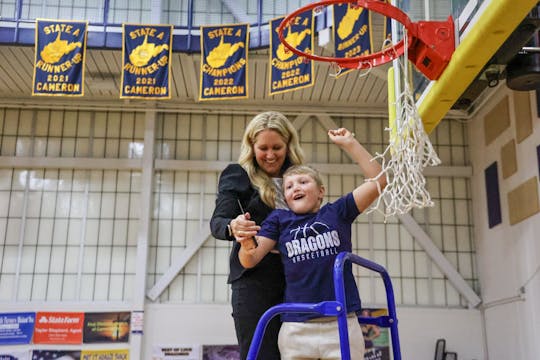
[117, 354]
[176, 352]
[16, 328]
[108, 327]
[15, 354]
[56, 355]
[221, 352]
[58, 328]
[376, 338]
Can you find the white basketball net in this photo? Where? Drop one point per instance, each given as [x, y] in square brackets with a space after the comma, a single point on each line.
[409, 151]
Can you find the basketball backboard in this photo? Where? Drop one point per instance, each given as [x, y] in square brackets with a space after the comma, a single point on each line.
[489, 33]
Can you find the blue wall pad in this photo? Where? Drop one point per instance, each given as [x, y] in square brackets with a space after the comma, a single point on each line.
[538, 157]
[493, 195]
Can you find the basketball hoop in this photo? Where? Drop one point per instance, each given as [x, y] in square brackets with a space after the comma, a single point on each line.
[427, 44]
[430, 43]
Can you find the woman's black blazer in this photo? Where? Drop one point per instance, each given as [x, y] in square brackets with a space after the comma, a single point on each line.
[234, 185]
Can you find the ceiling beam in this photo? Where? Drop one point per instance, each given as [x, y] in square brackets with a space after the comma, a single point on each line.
[246, 106]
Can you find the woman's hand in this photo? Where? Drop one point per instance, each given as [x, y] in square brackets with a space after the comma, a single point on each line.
[243, 228]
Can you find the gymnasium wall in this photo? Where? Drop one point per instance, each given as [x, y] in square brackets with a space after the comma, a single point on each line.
[80, 189]
[504, 137]
[419, 329]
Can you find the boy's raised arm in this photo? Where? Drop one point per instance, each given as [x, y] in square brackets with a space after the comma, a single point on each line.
[366, 193]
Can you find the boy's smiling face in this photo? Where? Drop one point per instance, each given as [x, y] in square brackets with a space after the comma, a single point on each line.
[302, 193]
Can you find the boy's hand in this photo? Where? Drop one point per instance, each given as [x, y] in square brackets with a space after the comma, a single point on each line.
[242, 227]
[341, 136]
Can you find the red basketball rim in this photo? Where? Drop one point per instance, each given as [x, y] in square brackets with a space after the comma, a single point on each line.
[357, 62]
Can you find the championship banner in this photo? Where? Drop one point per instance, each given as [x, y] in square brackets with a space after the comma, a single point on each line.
[289, 71]
[146, 65]
[224, 56]
[352, 35]
[59, 58]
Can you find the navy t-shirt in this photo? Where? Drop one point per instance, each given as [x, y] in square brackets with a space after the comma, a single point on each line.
[309, 244]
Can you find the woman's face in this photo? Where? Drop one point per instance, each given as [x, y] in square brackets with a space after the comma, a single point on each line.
[270, 152]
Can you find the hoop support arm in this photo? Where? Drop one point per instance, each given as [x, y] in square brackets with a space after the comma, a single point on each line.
[433, 46]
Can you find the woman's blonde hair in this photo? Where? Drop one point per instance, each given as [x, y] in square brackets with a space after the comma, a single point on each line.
[277, 122]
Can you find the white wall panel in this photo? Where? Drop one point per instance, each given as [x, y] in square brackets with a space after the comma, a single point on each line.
[105, 205]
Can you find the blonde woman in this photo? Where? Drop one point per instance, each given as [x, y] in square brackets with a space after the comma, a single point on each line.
[247, 192]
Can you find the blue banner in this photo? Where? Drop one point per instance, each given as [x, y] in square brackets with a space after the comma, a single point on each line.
[352, 35]
[59, 57]
[16, 328]
[146, 65]
[289, 71]
[224, 56]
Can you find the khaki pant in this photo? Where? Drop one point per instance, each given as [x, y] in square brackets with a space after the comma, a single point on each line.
[319, 339]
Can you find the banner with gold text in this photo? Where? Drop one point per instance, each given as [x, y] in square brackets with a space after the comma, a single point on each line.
[224, 56]
[289, 71]
[59, 58]
[352, 35]
[146, 55]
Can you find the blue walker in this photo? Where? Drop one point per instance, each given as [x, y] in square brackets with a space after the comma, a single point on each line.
[337, 308]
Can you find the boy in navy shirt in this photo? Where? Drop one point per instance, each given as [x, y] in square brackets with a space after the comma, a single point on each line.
[309, 237]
